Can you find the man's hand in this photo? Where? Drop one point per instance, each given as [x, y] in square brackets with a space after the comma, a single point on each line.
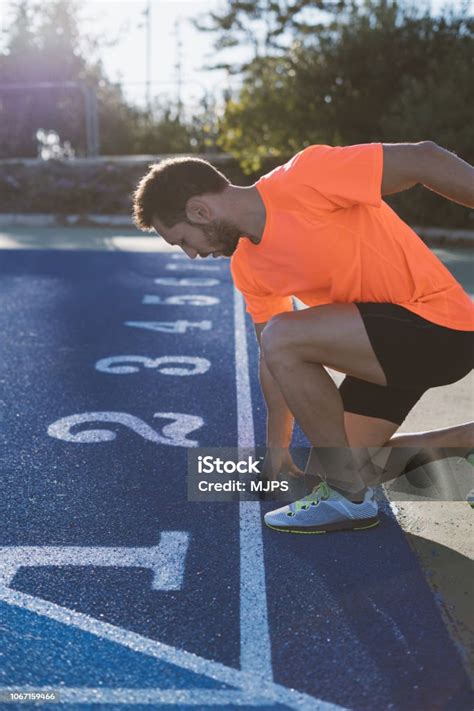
[278, 460]
[426, 163]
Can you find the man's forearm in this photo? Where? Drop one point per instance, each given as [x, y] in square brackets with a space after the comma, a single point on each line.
[448, 175]
[279, 418]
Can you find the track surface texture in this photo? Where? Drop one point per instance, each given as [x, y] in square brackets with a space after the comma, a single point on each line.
[116, 591]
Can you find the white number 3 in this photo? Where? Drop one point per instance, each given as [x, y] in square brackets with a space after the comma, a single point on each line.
[164, 365]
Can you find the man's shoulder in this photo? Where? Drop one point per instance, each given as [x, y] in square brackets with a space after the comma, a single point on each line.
[291, 166]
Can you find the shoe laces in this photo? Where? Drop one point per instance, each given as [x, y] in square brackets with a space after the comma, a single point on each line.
[320, 492]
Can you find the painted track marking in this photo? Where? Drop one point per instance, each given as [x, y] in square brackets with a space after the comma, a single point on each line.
[255, 646]
[166, 560]
[166, 653]
[254, 681]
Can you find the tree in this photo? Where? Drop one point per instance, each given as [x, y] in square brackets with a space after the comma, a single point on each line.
[376, 71]
[266, 26]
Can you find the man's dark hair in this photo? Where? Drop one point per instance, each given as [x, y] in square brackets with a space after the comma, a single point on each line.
[164, 191]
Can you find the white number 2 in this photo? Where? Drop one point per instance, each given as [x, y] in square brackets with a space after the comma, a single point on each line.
[174, 434]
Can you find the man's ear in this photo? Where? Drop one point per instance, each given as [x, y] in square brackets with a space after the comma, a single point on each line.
[197, 210]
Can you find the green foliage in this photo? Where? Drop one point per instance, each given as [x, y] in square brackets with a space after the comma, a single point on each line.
[265, 25]
[377, 70]
[380, 71]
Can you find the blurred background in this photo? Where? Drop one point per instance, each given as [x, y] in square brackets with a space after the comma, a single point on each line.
[97, 89]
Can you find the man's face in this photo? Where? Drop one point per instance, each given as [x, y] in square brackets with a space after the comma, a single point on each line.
[218, 237]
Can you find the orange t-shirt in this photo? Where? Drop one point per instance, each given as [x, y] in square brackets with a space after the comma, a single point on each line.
[329, 238]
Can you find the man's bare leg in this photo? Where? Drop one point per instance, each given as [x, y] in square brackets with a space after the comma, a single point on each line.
[457, 436]
[295, 347]
[413, 449]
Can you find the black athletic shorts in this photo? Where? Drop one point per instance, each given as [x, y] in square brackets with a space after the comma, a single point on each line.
[415, 355]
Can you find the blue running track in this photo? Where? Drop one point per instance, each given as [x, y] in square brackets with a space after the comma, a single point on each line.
[118, 592]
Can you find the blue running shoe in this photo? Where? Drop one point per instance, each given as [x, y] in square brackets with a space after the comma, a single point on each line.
[324, 510]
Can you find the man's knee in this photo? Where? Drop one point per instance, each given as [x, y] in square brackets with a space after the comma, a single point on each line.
[276, 337]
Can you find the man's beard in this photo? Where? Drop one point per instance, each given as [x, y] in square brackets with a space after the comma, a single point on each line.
[223, 235]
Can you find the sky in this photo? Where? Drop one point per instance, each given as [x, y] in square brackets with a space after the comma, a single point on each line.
[127, 59]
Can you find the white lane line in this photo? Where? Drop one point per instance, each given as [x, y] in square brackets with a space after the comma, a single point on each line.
[164, 652]
[166, 560]
[255, 646]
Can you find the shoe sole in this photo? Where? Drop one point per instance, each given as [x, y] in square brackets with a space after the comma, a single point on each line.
[330, 528]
